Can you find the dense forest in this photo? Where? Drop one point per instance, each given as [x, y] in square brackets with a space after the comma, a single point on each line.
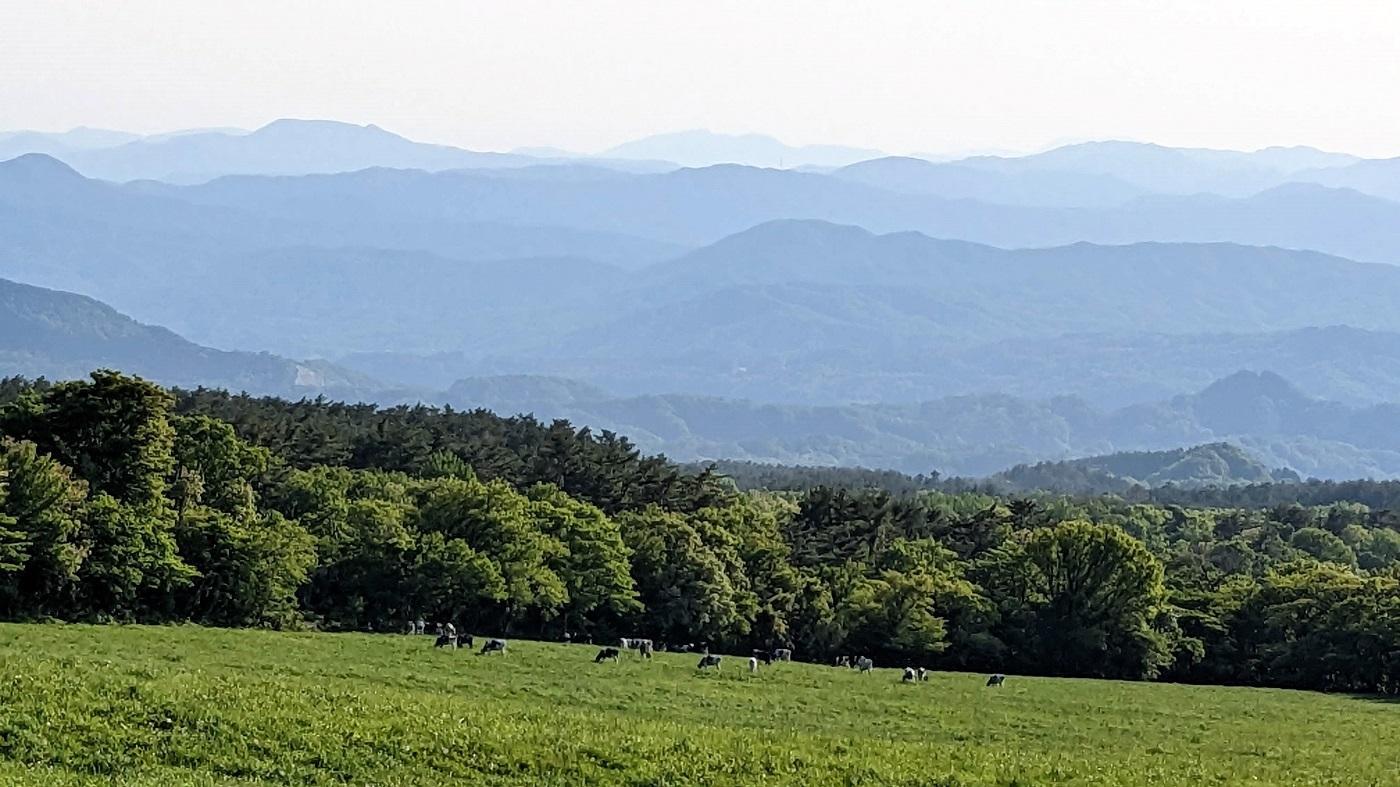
[120, 500]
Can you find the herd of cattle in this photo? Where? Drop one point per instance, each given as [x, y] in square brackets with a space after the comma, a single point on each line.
[448, 638]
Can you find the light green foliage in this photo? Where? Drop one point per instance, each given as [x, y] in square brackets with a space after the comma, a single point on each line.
[248, 570]
[132, 565]
[46, 506]
[215, 468]
[1323, 545]
[147, 707]
[684, 578]
[1084, 596]
[496, 521]
[595, 563]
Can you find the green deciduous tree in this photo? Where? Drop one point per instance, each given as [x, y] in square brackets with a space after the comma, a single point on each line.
[44, 507]
[1080, 598]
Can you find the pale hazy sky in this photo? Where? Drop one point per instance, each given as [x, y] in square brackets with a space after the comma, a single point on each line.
[902, 76]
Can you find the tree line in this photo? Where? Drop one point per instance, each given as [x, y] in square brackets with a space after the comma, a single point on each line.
[120, 500]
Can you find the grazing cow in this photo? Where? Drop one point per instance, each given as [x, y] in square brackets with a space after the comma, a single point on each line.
[864, 664]
[996, 680]
[765, 656]
[782, 654]
[493, 646]
[643, 647]
[444, 641]
[753, 665]
[606, 654]
[923, 674]
[909, 675]
[707, 661]
[843, 661]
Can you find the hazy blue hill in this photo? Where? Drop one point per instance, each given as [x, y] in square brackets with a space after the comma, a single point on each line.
[958, 181]
[699, 206]
[444, 212]
[1380, 177]
[698, 148]
[319, 301]
[808, 311]
[1215, 464]
[414, 262]
[982, 434]
[60, 335]
[17, 143]
[281, 147]
[1345, 364]
[1168, 170]
[59, 229]
[821, 279]
[1343, 222]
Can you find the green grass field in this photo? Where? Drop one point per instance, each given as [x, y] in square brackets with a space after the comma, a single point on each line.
[84, 705]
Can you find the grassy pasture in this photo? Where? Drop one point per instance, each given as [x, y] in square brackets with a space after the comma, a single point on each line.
[83, 705]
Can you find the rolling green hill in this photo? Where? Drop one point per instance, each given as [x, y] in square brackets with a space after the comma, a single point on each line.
[183, 705]
[1217, 464]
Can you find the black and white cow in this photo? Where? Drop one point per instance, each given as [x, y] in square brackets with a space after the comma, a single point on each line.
[922, 673]
[765, 656]
[909, 675]
[606, 654]
[707, 661]
[644, 647]
[864, 664]
[782, 654]
[996, 680]
[493, 646]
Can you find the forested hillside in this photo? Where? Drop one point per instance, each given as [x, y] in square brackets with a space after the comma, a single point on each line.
[1277, 425]
[1215, 465]
[121, 500]
[45, 333]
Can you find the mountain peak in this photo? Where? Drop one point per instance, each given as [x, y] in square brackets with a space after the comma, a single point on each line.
[1247, 385]
[297, 127]
[37, 171]
[39, 164]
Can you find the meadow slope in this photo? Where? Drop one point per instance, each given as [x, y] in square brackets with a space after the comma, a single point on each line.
[135, 705]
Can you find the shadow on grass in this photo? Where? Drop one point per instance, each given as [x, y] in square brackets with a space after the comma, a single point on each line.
[1384, 699]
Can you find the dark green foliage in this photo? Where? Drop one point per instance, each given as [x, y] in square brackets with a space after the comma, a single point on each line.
[604, 469]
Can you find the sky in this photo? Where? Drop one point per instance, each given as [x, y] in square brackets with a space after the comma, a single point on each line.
[926, 76]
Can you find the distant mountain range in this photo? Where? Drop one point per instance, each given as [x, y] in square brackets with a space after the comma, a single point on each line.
[283, 147]
[1039, 308]
[380, 266]
[59, 335]
[693, 207]
[1264, 416]
[1165, 170]
[1091, 174]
